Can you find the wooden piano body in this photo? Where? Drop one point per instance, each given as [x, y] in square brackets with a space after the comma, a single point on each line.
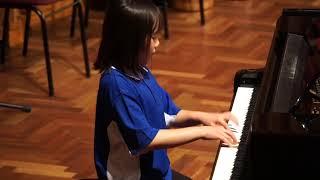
[281, 136]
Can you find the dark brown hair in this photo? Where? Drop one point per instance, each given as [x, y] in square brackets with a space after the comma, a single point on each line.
[127, 31]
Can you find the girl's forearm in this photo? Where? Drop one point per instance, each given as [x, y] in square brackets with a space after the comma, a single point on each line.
[186, 118]
[167, 138]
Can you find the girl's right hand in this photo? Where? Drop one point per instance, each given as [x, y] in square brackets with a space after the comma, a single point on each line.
[219, 132]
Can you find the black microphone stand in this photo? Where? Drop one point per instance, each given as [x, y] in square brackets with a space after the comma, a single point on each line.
[15, 106]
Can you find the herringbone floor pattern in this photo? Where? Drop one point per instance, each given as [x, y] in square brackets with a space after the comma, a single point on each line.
[197, 66]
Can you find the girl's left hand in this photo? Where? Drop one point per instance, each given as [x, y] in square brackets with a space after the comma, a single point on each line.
[217, 119]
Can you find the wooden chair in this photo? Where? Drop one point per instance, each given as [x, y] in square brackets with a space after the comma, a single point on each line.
[162, 4]
[29, 6]
[74, 14]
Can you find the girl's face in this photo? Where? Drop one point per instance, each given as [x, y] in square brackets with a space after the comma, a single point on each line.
[154, 43]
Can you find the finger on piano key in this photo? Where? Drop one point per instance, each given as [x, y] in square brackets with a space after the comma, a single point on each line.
[233, 129]
[223, 144]
[231, 136]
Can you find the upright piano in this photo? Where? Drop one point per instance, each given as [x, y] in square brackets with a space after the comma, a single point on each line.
[278, 108]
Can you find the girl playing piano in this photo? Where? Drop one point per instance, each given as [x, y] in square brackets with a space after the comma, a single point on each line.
[130, 95]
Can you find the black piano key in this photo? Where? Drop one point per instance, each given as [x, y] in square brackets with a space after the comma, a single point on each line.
[241, 160]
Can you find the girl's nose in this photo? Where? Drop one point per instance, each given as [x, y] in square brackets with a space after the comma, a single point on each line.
[157, 42]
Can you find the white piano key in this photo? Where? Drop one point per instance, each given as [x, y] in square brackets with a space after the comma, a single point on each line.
[240, 108]
[227, 155]
[224, 163]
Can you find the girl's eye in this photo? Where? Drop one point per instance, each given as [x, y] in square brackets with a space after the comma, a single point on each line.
[154, 36]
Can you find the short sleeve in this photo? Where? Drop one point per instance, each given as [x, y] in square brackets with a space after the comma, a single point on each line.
[132, 122]
[170, 107]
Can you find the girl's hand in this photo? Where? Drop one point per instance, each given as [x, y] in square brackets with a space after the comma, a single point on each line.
[217, 119]
[221, 133]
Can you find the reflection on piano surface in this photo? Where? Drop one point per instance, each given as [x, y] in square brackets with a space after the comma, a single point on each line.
[278, 107]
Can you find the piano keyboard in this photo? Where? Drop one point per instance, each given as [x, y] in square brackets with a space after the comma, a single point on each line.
[227, 155]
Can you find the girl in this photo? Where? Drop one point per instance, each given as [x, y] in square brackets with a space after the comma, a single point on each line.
[130, 95]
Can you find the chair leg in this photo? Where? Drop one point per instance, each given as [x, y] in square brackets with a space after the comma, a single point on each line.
[86, 15]
[73, 19]
[26, 33]
[165, 18]
[46, 48]
[83, 39]
[5, 35]
[202, 12]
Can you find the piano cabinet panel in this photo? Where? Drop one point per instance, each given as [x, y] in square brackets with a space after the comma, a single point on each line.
[280, 147]
[276, 145]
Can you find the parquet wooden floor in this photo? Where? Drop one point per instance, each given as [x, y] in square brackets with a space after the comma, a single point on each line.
[196, 66]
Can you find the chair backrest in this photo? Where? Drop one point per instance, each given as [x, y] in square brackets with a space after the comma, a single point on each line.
[28, 2]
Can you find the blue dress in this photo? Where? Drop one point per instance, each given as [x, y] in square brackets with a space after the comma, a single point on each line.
[137, 106]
